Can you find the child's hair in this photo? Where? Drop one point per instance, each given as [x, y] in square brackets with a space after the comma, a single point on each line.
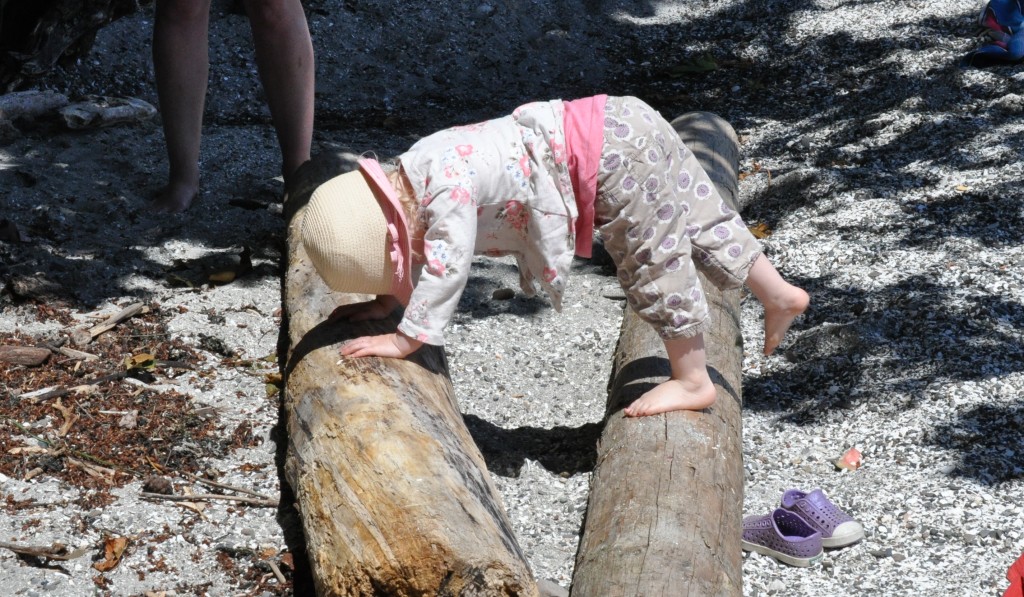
[406, 197]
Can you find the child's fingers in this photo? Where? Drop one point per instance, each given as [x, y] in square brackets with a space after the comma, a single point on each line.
[350, 348]
[369, 346]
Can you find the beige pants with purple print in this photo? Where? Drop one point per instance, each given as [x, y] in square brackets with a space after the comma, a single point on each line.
[662, 220]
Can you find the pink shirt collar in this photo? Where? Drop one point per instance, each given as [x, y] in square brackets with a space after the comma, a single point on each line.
[399, 247]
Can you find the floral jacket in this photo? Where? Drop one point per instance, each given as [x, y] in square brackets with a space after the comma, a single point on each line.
[499, 187]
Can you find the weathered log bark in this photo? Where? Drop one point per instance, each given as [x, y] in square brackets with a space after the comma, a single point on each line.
[34, 36]
[394, 496]
[665, 509]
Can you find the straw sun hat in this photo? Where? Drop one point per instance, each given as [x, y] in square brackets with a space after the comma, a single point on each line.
[355, 233]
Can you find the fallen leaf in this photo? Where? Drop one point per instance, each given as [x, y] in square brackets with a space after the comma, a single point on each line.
[113, 549]
[129, 420]
[143, 360]
[760, 230]
[28, 450]
[962, 188]
[850, 461]
[85, 389]
[223, 277]
[194, 506]
[700, 64]
[266, 553]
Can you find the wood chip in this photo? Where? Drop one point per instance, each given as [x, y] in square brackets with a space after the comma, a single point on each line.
[27, 356]
[82, 336]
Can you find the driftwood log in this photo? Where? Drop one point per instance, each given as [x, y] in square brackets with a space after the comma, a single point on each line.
[30, 104]
[665, 509]
[393, 494]
[35, 36]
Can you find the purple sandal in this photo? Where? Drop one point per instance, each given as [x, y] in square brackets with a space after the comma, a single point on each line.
[784, 536]
[837, 528]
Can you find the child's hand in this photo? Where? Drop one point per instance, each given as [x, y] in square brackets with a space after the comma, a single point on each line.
[387, 345]
[378, 308]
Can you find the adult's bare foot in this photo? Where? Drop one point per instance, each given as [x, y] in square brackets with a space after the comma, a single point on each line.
[673, 394]
[175, 198]
[780, 313]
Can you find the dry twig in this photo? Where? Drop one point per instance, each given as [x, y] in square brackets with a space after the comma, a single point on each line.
[82, 337]
[56, 551]
[277, 572]
[262, 503]
[209, 483]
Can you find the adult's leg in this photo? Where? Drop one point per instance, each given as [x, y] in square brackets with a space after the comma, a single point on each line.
[181, 64]
[284, 56]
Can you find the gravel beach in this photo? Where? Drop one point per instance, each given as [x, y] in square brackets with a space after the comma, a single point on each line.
[885, 176]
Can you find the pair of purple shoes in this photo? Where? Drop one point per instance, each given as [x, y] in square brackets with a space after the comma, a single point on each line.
[798, 531]
[1002, 22]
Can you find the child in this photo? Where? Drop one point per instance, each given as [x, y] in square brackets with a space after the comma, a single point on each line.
[534, 184]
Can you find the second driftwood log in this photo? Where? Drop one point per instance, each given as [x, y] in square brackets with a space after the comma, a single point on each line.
[665, 510]
[393, 494]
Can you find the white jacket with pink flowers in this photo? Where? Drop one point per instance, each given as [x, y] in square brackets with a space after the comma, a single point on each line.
[499, 187]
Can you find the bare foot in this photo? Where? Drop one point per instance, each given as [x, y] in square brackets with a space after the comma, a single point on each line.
[175, 198]
[780, 313]
[673, 394]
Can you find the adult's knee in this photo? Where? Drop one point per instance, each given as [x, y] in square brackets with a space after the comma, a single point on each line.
[271, 13]
[183, 11]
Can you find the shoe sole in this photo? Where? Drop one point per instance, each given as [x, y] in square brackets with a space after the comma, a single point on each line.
[845, 534]
[784, 558]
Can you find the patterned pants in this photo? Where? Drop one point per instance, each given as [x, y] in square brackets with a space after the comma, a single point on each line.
[662, 220]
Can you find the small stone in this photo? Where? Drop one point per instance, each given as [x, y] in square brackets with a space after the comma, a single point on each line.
[898, 557]
[503, 294]
[882, 553]
[549, 588]
[160, 485]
